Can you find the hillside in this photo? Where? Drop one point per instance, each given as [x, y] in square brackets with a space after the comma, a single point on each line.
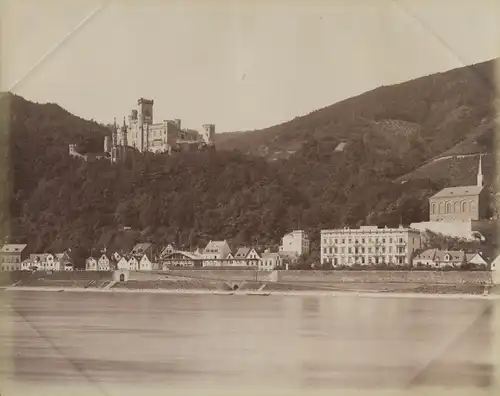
[53, 201]
[427, 116]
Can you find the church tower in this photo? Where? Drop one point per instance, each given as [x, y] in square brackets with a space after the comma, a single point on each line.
[480, 179]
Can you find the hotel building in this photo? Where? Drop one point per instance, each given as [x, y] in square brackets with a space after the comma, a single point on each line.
[369, 245]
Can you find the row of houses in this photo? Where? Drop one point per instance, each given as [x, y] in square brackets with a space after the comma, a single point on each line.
[147, 257]
[340, 248]
[15, 257]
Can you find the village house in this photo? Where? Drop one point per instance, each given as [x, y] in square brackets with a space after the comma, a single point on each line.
[180, 259]
[228, 261]
[215, 253]
[64, 261]
[12, 255]
[98, 263]
[48, 262]
[123, 263]
[435, 258]
[475, 260]
[246, 257]
[142, 257]
[295, 242]
[269, 261]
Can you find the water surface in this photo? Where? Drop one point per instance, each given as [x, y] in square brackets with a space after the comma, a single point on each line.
[106, 343]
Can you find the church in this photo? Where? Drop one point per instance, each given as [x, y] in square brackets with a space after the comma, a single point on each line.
[462, 203]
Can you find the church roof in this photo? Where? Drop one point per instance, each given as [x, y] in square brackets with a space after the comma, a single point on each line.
[461, 191]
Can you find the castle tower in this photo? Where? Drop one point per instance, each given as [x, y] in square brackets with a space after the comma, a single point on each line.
[114, 136]
[480, 178]
[145, 111]
[124, 133]
[209, 133]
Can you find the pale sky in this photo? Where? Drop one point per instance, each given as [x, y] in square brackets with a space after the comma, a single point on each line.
[239, 64]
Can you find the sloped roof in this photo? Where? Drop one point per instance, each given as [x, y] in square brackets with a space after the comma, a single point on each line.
[141, 248]
[460, 191]
[13, 248]
[242, 252]
[428, 254]
[215, 245]
[189, 255]
[455, 255]
[470, 256]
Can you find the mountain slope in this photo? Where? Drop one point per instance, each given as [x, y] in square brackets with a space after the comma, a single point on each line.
[429, 115]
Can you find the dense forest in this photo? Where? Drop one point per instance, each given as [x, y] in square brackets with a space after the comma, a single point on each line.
[53, 201]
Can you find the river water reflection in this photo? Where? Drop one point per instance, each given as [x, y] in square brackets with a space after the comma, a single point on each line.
[107, 343]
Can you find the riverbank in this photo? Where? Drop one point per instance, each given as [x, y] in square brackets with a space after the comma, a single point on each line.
[316, 293]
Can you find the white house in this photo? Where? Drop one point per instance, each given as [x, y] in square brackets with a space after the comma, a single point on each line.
[122, 263]
[214, 253]
[12, 255]
[246, 257]
[167, 250]
[91, 264]
[45, 262]
[180, 259]
[142, 257]
[145, 264]
[269, 261]
[425, 259]
[133, 264]
[296, 241]
[435, 258]
[103, 263]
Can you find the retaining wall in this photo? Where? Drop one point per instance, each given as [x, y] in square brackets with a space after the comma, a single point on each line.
[432, 277]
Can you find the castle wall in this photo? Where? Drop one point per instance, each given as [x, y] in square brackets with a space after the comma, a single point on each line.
[456, 229]
[417, 277]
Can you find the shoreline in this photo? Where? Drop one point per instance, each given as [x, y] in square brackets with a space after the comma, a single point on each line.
[297, 293]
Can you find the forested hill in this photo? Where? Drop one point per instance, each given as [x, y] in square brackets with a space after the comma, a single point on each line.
[429, 115]
[53, 201]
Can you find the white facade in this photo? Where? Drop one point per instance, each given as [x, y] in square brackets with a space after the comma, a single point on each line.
[145, 264]
[45, 262]
[144, 134]
[103, 263]
[269, 261]
[369, 245]
[214, 253]
[123, 264]
[91, 264]
[295, 242]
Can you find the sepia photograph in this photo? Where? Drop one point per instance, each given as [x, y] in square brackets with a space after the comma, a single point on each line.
[237, 197]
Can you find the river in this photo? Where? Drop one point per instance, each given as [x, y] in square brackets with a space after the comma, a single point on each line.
[124, 343]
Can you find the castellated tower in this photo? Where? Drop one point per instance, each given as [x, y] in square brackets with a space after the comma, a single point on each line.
[145, 111]
[209, 133]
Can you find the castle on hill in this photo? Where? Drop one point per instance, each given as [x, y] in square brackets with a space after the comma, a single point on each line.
[145, 135]
[141, 134]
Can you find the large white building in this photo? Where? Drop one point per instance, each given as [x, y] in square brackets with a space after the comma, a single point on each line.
[369, 245]
[295, 242]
